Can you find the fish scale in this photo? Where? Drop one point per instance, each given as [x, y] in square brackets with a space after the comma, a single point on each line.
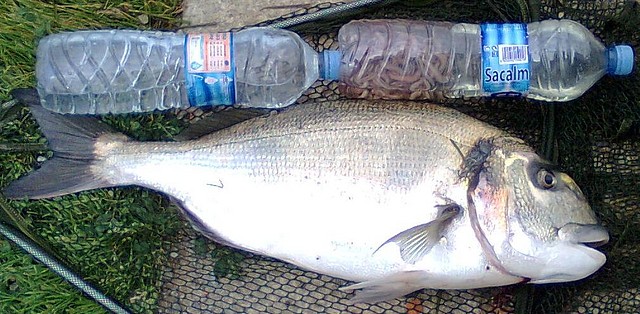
[356, 142]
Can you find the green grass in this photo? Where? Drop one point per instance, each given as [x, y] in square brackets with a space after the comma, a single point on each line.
[113, 237]
[27, 288]
[23, 22]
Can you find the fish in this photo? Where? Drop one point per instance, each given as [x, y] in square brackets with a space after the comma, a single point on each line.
[392, 196]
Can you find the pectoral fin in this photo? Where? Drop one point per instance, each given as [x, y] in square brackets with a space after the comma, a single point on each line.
[415, 242]
[389, 287]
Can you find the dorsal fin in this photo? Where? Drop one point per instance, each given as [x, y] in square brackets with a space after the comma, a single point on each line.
[219, 120]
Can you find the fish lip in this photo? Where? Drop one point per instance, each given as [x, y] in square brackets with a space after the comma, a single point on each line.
[588, 235]
[596, 244]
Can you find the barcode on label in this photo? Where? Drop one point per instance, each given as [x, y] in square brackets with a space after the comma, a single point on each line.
[513, 54]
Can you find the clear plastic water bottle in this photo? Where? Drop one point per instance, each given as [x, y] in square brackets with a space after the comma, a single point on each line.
[553, 60]
[121, 71]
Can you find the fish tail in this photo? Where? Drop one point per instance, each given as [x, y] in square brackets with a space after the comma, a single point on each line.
[72, 140]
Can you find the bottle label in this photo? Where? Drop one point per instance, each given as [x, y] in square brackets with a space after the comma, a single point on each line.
[505, 59]
[210, 70]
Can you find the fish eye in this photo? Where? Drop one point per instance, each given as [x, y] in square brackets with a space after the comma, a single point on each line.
[546, 179]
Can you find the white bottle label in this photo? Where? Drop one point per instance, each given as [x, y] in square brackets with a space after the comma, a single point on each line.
[505, 59]
[210, 70]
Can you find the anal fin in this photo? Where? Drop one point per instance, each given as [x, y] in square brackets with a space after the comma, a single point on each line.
[388, 287]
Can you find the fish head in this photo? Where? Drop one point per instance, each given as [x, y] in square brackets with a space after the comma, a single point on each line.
[545, 229]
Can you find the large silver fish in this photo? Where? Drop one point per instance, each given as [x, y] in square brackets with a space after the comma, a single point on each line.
[396, 196]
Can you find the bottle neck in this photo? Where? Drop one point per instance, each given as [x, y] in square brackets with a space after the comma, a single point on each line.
[612, 60]
[329, 64]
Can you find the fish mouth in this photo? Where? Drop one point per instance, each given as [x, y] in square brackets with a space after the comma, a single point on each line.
[575, 256]
[589, 235]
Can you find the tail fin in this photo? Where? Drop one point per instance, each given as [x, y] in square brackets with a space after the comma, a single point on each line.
[72, 140]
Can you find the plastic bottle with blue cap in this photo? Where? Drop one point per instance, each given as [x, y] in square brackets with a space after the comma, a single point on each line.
[552, 60]
[122, 71]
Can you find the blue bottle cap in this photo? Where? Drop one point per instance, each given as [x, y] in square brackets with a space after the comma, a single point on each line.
[331, 64]
[620, 60]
